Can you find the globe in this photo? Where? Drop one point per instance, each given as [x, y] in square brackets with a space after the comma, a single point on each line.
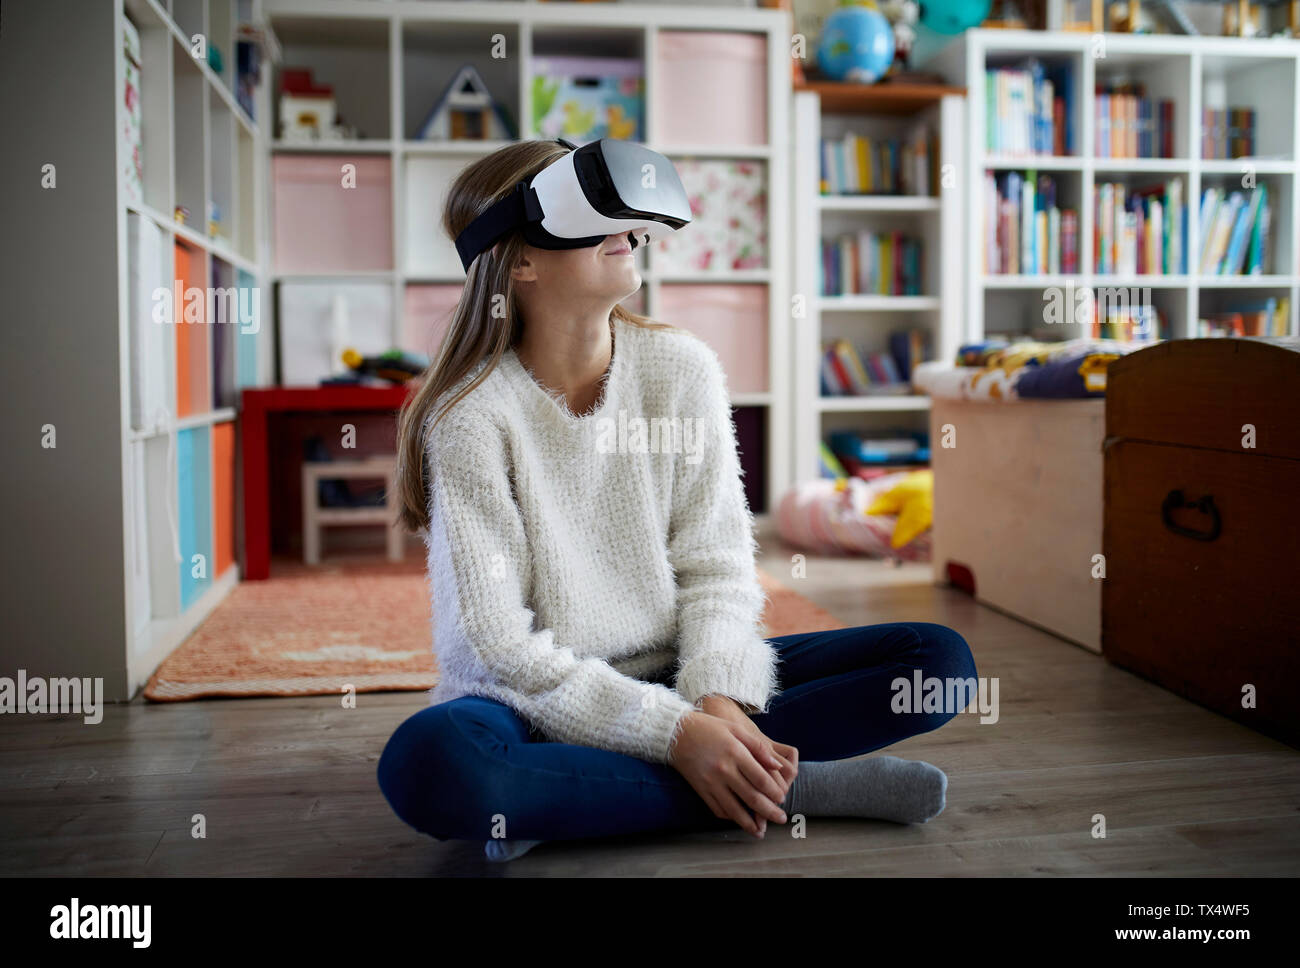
[857, 44]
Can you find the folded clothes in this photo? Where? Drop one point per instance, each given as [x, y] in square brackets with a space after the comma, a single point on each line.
[1068, 370]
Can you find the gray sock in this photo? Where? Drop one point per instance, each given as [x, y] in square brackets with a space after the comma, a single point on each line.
[880, 787]
[501, 849]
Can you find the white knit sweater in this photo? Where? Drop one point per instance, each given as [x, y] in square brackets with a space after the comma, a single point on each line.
[571, 556]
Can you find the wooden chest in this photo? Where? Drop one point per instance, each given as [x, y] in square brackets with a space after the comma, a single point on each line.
[1201, 531]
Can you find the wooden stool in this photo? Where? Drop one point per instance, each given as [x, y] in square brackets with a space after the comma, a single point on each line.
[315, 517]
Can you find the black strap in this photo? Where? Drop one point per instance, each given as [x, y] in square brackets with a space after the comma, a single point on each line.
[501, 217]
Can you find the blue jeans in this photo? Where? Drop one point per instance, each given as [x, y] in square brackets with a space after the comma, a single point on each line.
[450, 768]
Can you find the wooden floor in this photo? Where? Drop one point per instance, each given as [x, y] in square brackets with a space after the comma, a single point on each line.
[288, 786]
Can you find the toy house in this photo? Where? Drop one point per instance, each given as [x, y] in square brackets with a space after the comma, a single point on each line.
[466, 111]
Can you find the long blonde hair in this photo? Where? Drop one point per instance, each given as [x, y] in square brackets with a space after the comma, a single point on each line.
[474, 333]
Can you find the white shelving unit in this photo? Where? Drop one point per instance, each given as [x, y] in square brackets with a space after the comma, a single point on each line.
[194, 129]
[402, 53]
[144, 465]
[868, 319]
[1191, 71]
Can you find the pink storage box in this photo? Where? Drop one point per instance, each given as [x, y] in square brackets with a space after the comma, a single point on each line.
[320, 226]
[426, 315]
[710, 88]
[731, 319]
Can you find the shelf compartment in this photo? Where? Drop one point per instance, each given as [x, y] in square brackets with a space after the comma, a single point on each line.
[189, 138]
[1265, 85]
[349, 54]
[245, 200]
[429, 252]
[1005, 224]
[1265, 311]
[225, 321]
[887, 188]
[329, 218]
[221, 34]
[1009, 139]
[910, 225]
[194, 512]
[1279, 251]
[433, 54]
[317, 321]
[150, 268]
[153, 109]
[190, 319]
[1112, 195]
[1163, 77]
[160, 527]
[219, 219]
[599, 73]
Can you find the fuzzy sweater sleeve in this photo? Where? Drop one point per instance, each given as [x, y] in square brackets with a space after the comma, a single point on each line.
[481, 579]
[721, 648]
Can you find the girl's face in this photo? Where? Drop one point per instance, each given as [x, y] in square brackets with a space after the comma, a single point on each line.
[606, 272]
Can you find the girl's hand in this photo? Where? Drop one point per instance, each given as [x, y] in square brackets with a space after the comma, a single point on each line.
[721, 761]
[783, 760]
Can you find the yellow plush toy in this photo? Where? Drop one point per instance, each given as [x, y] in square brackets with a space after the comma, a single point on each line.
[912, 499]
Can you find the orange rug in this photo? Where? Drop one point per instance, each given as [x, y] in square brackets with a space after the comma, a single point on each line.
[309, 631]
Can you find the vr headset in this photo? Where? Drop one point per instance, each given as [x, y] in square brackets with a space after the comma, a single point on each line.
[607, 187]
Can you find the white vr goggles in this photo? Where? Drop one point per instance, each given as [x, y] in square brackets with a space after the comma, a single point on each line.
[607, 187]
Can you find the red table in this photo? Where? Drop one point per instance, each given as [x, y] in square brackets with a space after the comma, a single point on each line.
[259, 405]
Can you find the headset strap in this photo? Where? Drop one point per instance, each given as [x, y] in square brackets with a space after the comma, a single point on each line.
[504, 215]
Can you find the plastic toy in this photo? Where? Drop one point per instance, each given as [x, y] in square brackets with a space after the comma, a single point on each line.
[395, 366]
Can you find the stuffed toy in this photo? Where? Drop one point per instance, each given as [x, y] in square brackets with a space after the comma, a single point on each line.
[830, 517]
[912, 499]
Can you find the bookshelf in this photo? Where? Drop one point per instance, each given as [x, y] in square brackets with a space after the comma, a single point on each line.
[400, 56]
[1193, 74]
[827, 110]
[149, 442]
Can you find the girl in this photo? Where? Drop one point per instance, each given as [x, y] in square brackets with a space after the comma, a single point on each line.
[573, 470]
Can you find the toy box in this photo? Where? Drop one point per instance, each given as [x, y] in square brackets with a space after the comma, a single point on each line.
[729, 227]
[320, 228]
[584, 99]
[711, 88]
